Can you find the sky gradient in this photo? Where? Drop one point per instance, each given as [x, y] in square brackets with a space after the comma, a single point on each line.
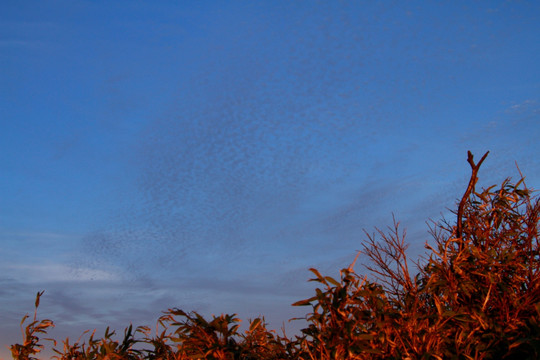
[204, 155]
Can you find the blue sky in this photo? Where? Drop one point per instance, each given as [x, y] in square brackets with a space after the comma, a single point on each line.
[204, 155]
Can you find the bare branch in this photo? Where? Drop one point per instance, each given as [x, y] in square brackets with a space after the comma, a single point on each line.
[470, 189]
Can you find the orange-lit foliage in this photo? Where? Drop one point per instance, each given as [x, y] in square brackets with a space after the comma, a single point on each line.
[476, 295]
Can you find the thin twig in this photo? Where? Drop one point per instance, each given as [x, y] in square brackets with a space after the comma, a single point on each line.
[470, 189]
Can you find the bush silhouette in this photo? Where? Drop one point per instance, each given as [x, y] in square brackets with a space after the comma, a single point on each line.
[475, 295]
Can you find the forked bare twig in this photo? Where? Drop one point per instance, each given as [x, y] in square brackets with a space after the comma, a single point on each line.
[470, 189]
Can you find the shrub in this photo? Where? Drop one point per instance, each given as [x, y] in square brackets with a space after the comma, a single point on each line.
[31, 345]
[476, 295]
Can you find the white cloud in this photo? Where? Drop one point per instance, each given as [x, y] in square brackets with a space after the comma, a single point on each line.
[523, 105]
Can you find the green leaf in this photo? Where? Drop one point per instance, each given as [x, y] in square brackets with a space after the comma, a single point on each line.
[37, 297]
[332, 281]
[318, 274]
[305, 302]
[255, 323]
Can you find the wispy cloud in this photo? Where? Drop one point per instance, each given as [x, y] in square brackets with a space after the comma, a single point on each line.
[54, 272]
[21, 44]
[531, 105]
